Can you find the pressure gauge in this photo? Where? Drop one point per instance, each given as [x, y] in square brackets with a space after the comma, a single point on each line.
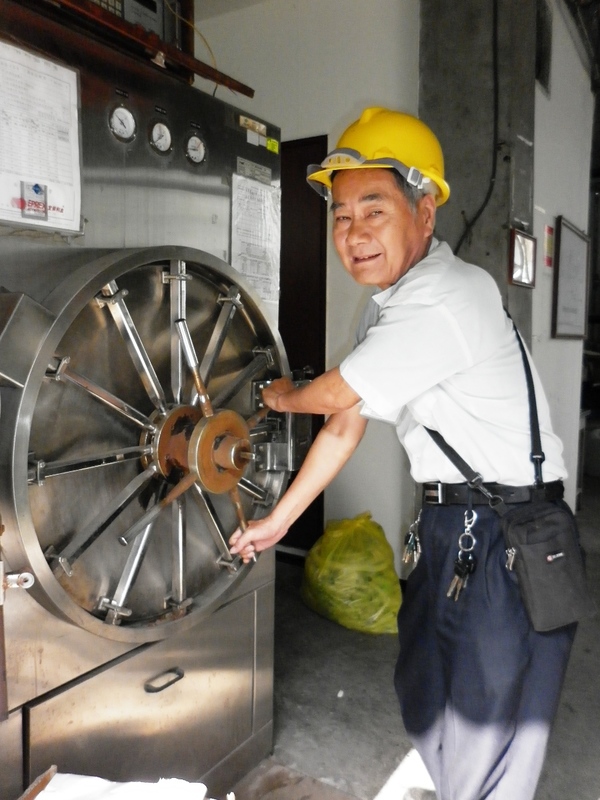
[195, 149]
[122, 123]
[160, 137]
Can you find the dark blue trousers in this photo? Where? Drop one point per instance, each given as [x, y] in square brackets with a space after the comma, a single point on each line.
[478, 687]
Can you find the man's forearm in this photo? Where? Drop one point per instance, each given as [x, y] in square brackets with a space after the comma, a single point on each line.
[332, 448]
[327, 394]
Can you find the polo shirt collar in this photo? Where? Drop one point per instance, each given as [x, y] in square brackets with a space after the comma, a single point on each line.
[383, 296]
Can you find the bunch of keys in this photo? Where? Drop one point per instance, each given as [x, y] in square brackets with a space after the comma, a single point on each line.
[465, 562]
[412, 544]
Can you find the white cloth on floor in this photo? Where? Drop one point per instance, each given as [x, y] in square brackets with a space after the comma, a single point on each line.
[84, 787]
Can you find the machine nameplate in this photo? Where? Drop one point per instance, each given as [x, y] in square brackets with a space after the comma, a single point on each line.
[249, 169]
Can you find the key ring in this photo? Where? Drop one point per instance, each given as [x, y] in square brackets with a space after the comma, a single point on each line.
[472, 542]
[467, 541]
[415, 525]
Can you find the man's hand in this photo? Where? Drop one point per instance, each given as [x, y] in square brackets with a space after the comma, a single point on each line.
[259, 535]
[274, 390]
[335, 443]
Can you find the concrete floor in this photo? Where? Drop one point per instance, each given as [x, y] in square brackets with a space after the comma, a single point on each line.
[338, 732]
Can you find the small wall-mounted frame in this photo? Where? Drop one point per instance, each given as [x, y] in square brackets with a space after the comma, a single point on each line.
[569, 306]
[521, 269]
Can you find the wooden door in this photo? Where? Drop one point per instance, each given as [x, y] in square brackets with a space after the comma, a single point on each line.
[303, 289]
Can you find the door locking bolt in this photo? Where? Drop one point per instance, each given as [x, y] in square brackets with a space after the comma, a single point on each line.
[13, 580]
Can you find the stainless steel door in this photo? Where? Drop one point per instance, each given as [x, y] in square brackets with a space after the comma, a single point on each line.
[109, 426]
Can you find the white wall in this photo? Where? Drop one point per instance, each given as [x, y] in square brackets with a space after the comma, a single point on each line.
[563, 131]
[314, 65]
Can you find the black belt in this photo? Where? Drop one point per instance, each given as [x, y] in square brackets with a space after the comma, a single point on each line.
[459, 493]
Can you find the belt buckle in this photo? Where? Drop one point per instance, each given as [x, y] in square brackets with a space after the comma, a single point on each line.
[436, 495]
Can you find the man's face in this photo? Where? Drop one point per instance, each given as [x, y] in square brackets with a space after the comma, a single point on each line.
[376, 233]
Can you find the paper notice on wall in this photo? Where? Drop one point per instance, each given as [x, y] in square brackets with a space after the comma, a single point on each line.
[40, 170]
[256, 238]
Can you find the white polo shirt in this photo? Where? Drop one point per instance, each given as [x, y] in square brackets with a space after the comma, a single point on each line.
[437, 350]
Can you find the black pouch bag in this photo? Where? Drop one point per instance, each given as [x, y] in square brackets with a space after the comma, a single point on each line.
[542, 544]
[541, 537]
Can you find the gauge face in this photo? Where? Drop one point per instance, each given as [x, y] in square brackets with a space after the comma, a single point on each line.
[195, 149]
[122, 123]
[160, 137]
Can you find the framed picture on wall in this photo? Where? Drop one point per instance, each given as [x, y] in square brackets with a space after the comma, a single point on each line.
[521, 271]
[569, 303]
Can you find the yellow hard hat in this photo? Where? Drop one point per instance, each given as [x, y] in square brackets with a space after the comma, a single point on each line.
[388, 139]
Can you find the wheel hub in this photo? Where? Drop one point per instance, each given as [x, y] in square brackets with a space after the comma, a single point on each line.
[215, 449]
[219, 451]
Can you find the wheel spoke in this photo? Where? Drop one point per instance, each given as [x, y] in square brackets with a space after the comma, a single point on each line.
[64, 373]
[213, 523]
[82, 540]
[234, 494]
[191, 358]
[42, 470]
[115, 606]
[176, 491]
[177, 278]
[113, 298]
[257, 418]
[178, 582]
[229, 305]
[140, 534]
[260, 362]
[255, 491]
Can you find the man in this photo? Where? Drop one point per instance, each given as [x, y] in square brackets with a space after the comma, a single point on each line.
[478, 687]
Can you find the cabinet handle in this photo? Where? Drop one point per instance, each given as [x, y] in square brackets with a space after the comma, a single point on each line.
[159, 682]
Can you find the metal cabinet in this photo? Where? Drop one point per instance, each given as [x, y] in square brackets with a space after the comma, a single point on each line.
[159, 699]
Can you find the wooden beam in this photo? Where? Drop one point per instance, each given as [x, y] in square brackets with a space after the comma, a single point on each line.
[160, 52]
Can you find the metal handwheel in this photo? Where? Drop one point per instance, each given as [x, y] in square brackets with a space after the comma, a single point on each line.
[134, 438]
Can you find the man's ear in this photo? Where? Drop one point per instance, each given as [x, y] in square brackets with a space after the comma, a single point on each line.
[426, 209]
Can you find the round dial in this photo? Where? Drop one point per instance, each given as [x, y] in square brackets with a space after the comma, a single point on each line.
[195, 149]
[160, 137]
[122, 123]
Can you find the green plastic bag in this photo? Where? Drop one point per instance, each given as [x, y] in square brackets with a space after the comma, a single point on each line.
[349, 576]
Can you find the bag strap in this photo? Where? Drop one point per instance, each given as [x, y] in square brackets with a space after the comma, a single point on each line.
[475, 479]
[537, 454]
